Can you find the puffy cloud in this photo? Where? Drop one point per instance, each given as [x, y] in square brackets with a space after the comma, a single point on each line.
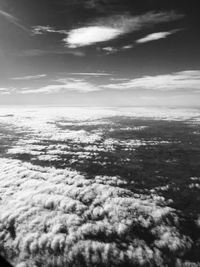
[26, 148]
[183, 80]
[90, 35]
[59, 217]
[109, 28]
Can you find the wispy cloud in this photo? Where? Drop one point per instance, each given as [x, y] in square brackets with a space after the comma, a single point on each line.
[109, 28]
[184, 80]
[155, 36]
[29, 77]
[12, 19]
[4, 91]
[63, 85]
[110, 49]
[41, 29]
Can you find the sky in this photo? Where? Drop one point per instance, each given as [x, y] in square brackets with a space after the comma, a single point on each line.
[99, 52]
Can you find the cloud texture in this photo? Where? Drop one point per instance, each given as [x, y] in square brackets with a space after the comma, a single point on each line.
[58, 217]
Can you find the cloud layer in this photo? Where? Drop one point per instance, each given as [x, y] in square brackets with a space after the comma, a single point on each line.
[53, 216]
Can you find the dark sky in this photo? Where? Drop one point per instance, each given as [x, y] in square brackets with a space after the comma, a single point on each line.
[99, 52]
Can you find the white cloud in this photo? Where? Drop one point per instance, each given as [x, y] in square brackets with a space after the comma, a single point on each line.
[29, 77]
[90, 35]
[127, 47]
[155, 36]
[184, 80]
[109, 28]
[110, 49]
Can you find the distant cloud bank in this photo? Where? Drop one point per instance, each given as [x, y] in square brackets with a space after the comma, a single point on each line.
[183, 80]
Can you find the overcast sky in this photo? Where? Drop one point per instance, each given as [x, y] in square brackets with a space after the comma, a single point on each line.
[99, 52]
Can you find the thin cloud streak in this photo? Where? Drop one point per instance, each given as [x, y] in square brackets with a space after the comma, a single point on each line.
[12, 19]
[96, 74]
[29, 77]
[40, 52]
[155, 36]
